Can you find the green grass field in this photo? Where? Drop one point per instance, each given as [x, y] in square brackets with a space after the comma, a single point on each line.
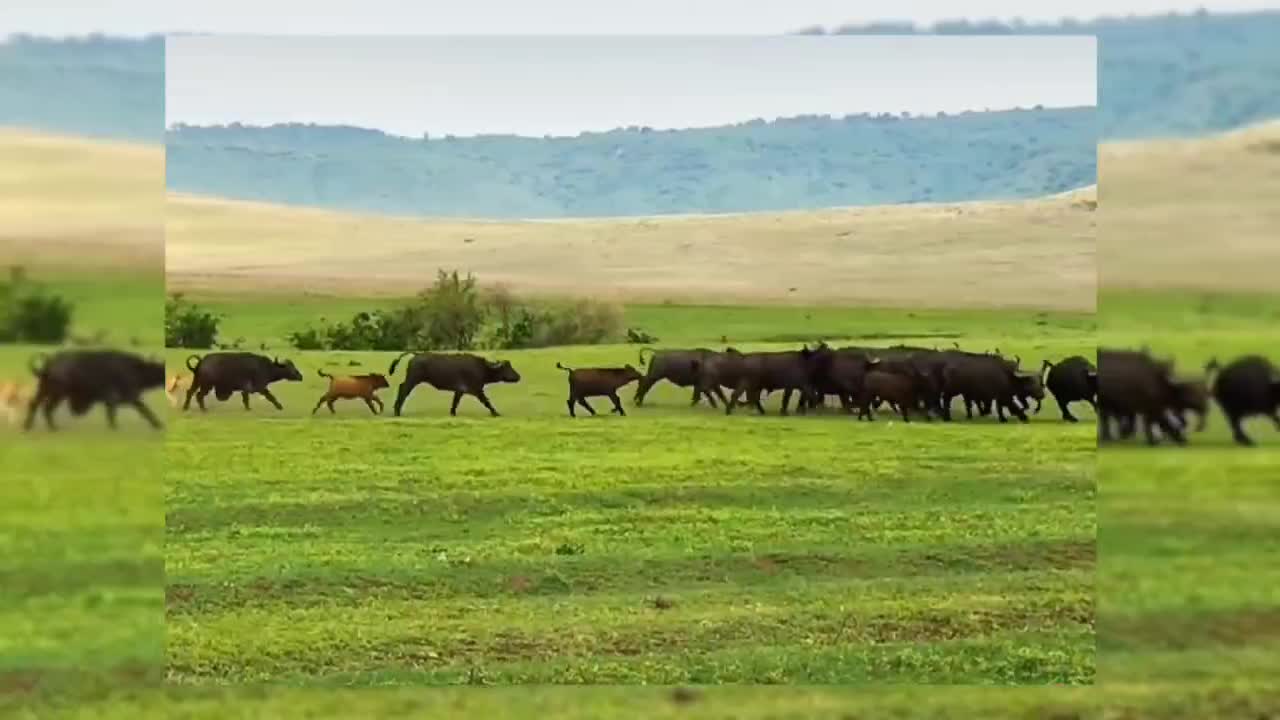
[673, 545]
[1188, 586]
[81, 559]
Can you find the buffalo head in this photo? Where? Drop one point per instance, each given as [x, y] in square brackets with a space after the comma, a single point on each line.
[501, 371]
[284, 370]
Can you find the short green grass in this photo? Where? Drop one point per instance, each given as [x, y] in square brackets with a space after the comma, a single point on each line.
[81, 558]
[1189, 589]
[675, 545]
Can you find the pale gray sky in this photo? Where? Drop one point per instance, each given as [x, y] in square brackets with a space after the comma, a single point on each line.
[697, 17]
[562, 86]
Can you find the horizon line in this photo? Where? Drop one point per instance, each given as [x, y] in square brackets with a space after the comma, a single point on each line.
[432, 136]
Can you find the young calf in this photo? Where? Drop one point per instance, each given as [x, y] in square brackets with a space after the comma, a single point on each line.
[598, 382]
[176, 386]
[14, 397]
[349, 387]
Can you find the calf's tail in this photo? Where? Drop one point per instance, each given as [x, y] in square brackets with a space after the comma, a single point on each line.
[323, 374]
[37, 369]
[191, 367]
[394, 363]
[643, 350]
[566, 369]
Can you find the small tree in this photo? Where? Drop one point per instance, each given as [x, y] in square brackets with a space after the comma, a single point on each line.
[454, 312]
[29, 313]
[187, 325]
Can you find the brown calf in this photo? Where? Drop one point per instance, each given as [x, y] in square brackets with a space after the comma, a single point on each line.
[14, 398]
[346, 387]
[176, 386]
[891, 387]
[598, 382]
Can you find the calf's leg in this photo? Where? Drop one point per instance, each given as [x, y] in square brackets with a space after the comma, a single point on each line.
[617, 404]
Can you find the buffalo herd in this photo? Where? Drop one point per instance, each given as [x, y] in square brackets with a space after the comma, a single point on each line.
[1127, 389]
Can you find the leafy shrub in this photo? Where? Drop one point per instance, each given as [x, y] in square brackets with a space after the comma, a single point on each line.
[29, 313]
[455, 314]
[454, 310]
[187, 325]
[636, 336]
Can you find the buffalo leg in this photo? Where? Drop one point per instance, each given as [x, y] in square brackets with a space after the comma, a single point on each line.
[264, 392]
[191, 391]
[642, 389]
[485, 399]
[33, 406]
[583, 402]
[711, 399]
[1171, 429]
[786, 400]
[968, 407]
[755, 400]
[1237, 431]
[733, 399]
[1018, 411]
[244, 394]
[111, 414]
[1000, 412]
[906, 414]
[617, 404]
[1275, 417]
[200, 396]
[697, 395]
[146, 413]
[457, 398]
[1066, 412]
[402, 394]
[716, 392]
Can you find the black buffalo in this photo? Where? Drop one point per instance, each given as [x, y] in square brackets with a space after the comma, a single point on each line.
[227, 373]
[84, 378]
[1134, 386]
[988, 379]
[1074, 379]
[1246, 387]
[717, 372]
[841, 373]
[792, 371]
[679, 367]
[460, 373]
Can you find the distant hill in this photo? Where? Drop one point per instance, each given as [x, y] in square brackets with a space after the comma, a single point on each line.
[797, 163]
[1159, 76]
[97, 87]
[1163, 76]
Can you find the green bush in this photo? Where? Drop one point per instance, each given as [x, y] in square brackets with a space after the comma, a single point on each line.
[455, 314]
[187, 325]
[31, 314]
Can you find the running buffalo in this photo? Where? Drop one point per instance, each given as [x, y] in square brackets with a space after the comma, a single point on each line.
[460, 373]
[226, 373]
[679, 367]
[86, 377]
[1246, 387]
[1074, 379]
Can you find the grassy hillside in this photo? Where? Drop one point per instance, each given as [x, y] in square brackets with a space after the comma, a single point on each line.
[1033, 254]
[1197, 215]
